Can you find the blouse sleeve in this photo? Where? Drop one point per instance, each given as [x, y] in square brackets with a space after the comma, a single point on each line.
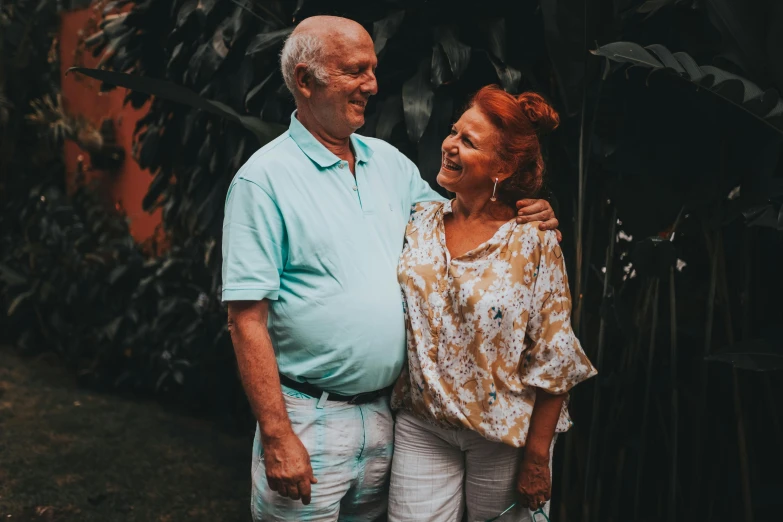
[554, 360]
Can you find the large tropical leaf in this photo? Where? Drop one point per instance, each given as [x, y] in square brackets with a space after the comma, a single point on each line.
[764, 105]
[768, 215]
[751, 36]
[760, 362]
[390, 115]
[457, 53]
[265, 41]
[650, 7]
[417, 98]
[264, 131]
[429, 158]
[508, 76]
[440, 71]
[385, 28]
[496, 38]
[566, 31]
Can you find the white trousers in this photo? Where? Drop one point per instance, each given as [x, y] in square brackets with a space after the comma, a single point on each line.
[438, 474]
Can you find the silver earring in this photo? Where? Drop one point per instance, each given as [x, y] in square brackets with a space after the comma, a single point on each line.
[494, 189]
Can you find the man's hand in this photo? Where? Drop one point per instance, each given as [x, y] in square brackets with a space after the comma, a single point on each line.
[288, 469]
[538, 210]
[534, 482]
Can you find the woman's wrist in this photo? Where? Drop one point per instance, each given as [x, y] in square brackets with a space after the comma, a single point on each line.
[537, 454]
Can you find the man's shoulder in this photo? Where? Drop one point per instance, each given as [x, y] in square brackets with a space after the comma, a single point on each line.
[267, 161]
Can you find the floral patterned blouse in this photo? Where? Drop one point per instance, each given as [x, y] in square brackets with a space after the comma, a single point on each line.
[485, 329]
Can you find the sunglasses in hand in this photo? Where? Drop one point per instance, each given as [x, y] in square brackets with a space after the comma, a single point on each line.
[538, 514]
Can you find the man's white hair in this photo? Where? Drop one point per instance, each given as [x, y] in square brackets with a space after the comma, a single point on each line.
[302, 48]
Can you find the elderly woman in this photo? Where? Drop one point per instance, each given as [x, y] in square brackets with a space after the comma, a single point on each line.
[491, 352]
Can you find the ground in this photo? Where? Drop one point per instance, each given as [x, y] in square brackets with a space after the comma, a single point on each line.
[71, 454]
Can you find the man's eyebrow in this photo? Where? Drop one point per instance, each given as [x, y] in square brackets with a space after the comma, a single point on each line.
[362, 63]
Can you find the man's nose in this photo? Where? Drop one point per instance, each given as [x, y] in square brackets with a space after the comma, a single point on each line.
[370, 85]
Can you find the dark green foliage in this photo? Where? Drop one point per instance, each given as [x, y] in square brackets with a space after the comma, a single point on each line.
[766, 105]
[763, 362]
[74, 281]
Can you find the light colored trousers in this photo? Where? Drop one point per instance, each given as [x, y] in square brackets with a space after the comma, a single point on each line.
[437, 474]
[350, 449]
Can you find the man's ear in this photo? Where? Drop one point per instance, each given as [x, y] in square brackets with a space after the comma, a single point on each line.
[304, 80]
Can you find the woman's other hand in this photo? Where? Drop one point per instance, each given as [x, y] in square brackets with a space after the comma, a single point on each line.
[534, 481]
[538, 210]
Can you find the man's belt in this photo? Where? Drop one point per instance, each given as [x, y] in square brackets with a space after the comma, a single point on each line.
[316, 392]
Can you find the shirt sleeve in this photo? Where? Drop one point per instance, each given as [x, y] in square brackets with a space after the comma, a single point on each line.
[255, 246]
[554, 361]
[420, 190]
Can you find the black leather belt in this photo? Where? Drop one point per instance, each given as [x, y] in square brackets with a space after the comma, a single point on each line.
[316, 392]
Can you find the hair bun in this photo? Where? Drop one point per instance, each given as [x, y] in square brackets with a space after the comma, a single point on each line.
[543, 117]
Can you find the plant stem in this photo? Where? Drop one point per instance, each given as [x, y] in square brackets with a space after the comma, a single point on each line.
[741, 441]
[580, 211]
[594, 423]
[743, 451]
[714, 251]
[675, 399]
[646, 405]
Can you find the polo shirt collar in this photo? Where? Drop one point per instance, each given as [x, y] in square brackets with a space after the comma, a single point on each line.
[361, 148]
[316, 151]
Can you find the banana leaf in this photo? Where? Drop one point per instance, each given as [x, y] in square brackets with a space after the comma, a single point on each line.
[440, 73]
[566, 31]
[457, 53]
[650, 7]
[764, 105]
[385, 28]
[759, 362]
[751, 36]
[264, 131]
[417, 98]
[265, 41]
[390, 115]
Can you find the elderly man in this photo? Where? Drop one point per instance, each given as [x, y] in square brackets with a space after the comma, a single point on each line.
[314, 225]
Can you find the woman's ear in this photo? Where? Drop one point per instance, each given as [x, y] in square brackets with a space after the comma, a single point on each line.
[502, 176]
[303, 80]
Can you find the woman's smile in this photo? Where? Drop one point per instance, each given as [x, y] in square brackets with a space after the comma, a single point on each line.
[447, 164]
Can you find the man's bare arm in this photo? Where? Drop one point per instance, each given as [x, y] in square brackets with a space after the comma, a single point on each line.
[287, 462]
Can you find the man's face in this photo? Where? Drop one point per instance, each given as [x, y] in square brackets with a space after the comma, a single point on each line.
[350, 64]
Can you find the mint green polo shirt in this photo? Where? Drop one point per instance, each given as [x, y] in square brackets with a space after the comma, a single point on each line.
[322, 247]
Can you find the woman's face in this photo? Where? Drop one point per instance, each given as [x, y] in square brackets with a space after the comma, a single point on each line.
[468, 155]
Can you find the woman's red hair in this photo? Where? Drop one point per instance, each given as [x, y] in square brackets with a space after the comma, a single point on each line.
[520, 120]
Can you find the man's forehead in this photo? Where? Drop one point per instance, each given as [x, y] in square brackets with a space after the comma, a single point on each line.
[345, 53]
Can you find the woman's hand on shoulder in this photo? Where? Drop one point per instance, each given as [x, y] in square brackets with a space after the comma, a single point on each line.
[529, 210]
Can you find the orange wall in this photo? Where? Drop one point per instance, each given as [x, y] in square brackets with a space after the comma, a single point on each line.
[81, 96]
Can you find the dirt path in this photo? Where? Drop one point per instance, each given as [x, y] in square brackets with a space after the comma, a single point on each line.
[69, 454]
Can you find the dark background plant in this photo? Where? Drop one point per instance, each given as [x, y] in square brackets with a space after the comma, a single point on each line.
[666, 174]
